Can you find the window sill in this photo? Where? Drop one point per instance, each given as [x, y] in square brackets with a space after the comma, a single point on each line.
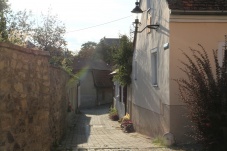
[154, 85]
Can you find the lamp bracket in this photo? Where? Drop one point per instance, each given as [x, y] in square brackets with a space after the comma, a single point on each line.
[156, 26]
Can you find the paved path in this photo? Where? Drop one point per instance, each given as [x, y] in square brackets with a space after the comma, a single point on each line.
[92, 130]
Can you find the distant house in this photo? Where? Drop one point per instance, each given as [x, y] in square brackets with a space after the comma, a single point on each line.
[152, 97]
[103, 85]
[111, 41]
[95, 86]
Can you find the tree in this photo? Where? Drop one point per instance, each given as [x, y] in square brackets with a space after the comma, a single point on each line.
[123, 61]
[93, 51]
[4, 8]
[4, 5]
[87, 50]
[104, 52]
[49, 36]
[19, 27]
[14, 27]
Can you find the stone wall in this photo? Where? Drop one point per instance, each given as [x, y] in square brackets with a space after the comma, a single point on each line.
[33, 102]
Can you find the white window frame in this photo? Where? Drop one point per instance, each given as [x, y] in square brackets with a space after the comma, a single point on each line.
[154, 66]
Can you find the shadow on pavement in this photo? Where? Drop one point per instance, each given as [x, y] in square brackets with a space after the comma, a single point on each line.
[188, 147]
[82, 126]
[82, 129]
[98, 110]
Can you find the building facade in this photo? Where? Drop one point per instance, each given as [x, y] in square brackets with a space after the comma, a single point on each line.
[153, 97]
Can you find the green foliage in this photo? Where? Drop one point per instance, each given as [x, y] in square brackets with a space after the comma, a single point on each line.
[87, 50]
[113, 114]
[49, 36]
[159, 141]
[88, 45]
[93, 51]
[55, 61]
[204, 92]
[123, 61]
[14, 27]
[3, 32]
[67, 65]
[4, 8]
[105, 52]
[113, 110]
[74, 78]
[19, 27]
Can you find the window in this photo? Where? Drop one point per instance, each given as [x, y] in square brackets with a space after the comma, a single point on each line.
[120, 93]
[154, 67]
[135, 70]
[125, 94]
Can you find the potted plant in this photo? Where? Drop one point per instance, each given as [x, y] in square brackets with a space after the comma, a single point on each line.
[126, 124]
[113, 114]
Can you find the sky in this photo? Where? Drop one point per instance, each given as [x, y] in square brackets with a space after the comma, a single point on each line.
[85, 20]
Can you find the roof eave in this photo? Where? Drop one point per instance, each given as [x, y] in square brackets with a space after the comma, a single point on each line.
[198, 12]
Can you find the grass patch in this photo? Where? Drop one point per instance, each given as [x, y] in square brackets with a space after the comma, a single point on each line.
[159, 141]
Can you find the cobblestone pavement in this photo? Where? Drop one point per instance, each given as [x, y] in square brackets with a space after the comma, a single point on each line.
[92, 130]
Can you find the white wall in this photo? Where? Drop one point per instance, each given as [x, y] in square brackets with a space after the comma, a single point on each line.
[118, 103]
[88, 94]
[144, 93]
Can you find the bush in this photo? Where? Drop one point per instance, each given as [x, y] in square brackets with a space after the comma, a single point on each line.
[204, 92]
[123, 61]
[113, 114]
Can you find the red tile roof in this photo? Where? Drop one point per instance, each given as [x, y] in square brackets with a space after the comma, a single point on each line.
[201, 5]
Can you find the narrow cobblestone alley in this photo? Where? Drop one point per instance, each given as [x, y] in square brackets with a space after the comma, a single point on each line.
[92, 130]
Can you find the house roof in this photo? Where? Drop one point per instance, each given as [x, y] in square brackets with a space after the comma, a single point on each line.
[102, 78]
[111, 41]
[79, 64]
[201, 5]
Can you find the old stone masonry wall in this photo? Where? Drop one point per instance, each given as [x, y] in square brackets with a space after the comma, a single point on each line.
[33, 104]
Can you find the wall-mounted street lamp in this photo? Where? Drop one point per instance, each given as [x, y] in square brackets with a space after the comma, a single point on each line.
[137, 11]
